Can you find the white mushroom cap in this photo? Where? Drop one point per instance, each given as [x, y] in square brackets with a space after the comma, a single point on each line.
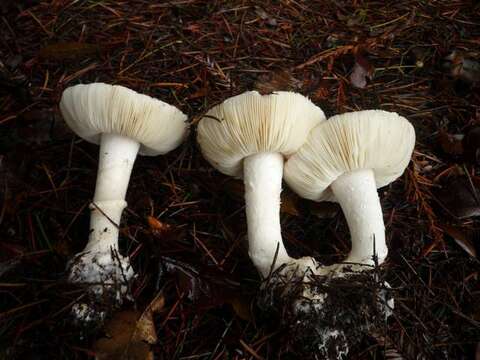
[372, 139]
[97, 108]
[251, 123]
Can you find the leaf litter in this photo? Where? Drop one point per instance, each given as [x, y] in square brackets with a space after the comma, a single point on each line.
[129, 334]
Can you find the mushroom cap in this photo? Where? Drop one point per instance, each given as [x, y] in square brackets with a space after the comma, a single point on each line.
[372, 139]
[93, 109]
[251, 123]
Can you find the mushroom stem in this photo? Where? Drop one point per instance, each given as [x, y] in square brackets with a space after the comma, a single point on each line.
[104, 221]
[262, 174]
[117, 156]
[356, 193]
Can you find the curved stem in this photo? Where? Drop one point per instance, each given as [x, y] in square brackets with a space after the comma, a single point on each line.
[357, 194]
[117, 156]
[262, 175]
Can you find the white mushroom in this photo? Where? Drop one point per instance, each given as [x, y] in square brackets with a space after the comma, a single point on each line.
[124, 123]
[345, 159]
[248, 136]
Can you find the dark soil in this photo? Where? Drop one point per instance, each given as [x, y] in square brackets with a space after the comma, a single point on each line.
[326, 315]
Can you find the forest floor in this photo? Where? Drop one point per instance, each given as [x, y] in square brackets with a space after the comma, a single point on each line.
[184, 227]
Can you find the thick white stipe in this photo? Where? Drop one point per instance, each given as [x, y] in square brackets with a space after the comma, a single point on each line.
[100, 261]
[262, 175]
[105, 219]
[116, 159]
[356, 192]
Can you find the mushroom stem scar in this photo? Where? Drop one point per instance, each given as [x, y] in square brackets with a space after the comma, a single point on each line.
[117, 156]
[356, 193]
[262, 175]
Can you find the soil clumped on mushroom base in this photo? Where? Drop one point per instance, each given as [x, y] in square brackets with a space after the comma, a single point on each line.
[338, 313]
[106, 289]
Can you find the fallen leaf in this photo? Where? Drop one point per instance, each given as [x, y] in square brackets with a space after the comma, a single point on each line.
[362, 70]
[122, 341]
[130, 333]
[68, 50]
[166, 232]
[158, 226]
[451, 144]
[145, 328]
[276, 81]
[465, 238]
[459, 198]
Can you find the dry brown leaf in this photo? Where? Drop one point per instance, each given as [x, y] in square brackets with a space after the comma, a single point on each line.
[145, 328]
[165, 231]
[129, 334]
[158, 226]
[465, 238]
[120, 343]
[459, 198]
